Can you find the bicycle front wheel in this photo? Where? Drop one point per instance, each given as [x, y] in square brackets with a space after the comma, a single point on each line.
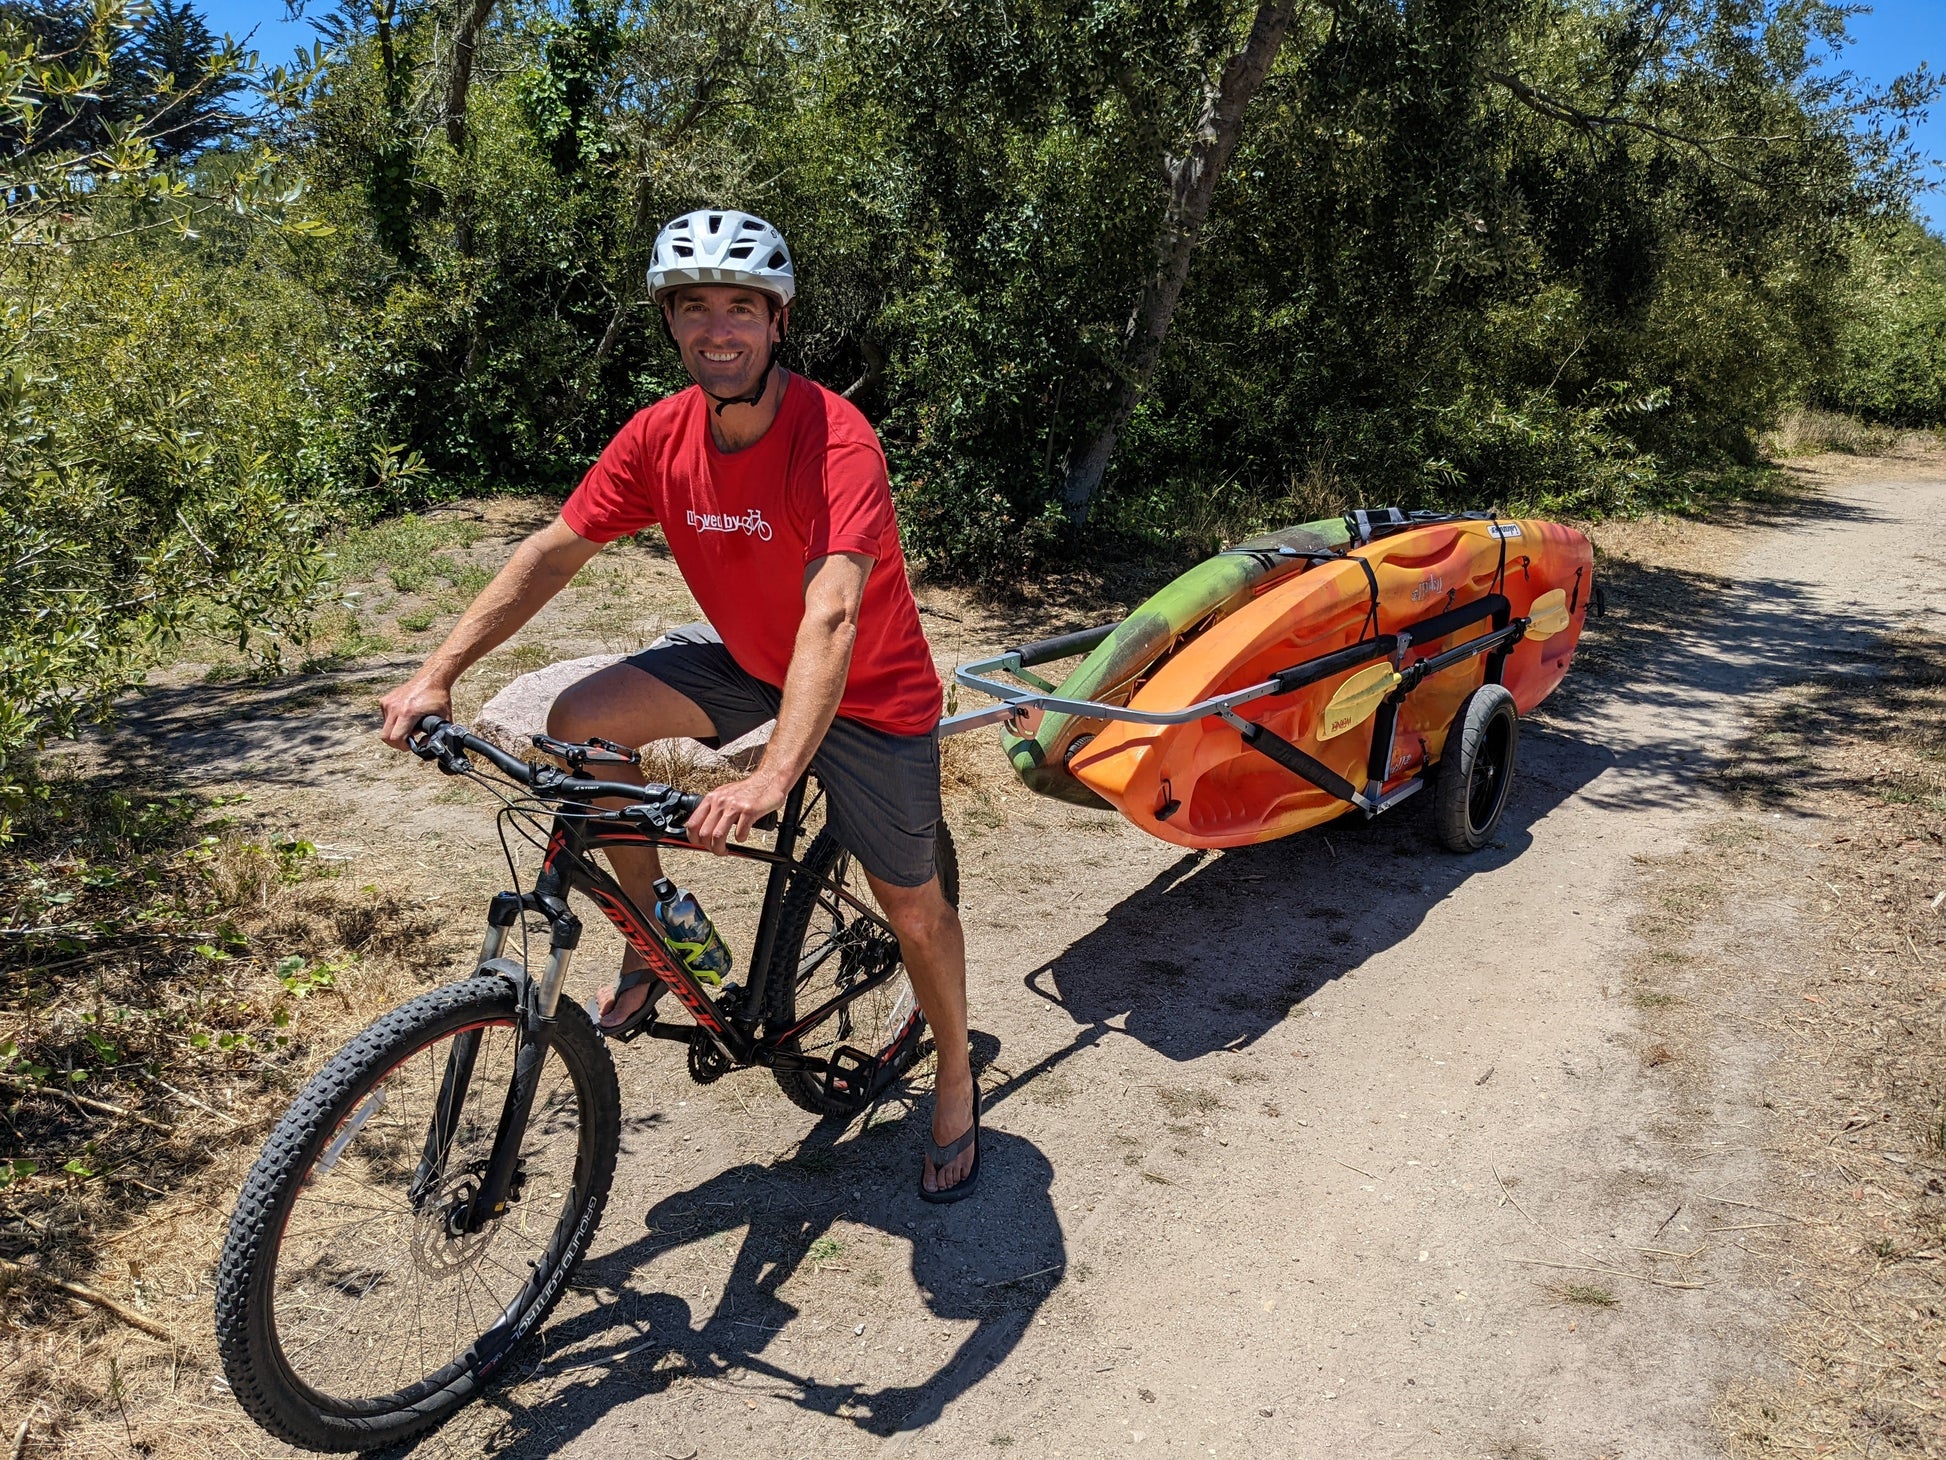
[826, 949]
[354, 1308]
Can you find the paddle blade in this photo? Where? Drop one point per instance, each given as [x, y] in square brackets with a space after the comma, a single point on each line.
[1357, 700]
[1549, 615]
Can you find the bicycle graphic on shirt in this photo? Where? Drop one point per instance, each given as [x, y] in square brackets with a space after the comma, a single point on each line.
[751, 522]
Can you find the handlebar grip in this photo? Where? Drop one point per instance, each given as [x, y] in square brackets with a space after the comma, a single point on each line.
[1061, 646]
[427, 724]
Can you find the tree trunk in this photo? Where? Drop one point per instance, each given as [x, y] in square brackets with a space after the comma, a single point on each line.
[1192, 183]
[472, 21]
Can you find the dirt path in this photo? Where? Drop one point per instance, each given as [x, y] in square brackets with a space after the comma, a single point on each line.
[1335, 1146]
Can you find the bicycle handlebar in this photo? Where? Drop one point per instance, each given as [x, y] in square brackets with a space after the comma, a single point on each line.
[441, 740]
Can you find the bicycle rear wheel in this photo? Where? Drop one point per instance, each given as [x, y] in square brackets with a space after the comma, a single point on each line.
[350, 1313]
[825, 947]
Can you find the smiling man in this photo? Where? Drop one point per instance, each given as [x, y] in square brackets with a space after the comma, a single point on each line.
[772, 494]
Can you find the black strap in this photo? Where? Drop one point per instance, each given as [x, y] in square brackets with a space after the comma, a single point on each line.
[1429, 630]
[1370, 627]
[1269, 742]
[763, 384]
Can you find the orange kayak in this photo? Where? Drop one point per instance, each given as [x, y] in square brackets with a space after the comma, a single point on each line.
[1438, 586]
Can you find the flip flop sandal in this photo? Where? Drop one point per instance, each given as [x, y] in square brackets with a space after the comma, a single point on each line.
[623, 1030]
[944, 1156]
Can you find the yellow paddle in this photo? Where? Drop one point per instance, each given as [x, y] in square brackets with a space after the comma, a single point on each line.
[1357, 700]
[1549, 615]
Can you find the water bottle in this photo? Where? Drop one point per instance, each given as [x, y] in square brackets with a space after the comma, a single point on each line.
[691, 933]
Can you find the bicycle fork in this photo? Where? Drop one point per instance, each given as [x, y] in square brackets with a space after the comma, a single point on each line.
[535, 1036]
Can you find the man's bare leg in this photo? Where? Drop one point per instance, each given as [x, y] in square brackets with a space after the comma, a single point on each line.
[630, 707]
[933, 945]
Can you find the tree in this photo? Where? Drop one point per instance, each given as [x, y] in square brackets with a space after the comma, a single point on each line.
[163, 67]
[121, 528]
[1192, 171]
[185, 105]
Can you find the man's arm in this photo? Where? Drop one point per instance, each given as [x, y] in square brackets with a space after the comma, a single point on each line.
[834, 587]
[540, 568]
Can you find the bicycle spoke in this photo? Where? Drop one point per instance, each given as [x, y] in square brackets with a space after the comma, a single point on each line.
[374, 1292]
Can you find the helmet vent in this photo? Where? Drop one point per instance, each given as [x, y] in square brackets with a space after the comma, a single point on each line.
[720, 246]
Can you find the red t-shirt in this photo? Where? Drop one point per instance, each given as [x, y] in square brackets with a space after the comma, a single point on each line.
[743, 525]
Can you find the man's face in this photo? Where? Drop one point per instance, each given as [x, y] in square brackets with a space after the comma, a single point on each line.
[725, 333]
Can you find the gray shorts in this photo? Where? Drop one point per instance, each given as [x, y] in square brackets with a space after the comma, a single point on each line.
[881, 790]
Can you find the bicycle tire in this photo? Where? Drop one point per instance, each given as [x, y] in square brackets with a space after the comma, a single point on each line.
[1476, 771]
[803, 899]
[259, 1370]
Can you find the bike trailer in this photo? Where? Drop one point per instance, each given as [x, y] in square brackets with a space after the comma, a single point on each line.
[1303, 675]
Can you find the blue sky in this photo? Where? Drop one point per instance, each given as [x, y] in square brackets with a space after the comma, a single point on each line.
[1892, 38]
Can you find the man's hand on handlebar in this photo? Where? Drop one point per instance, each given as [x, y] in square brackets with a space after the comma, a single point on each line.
[730, 813]
[407, 705]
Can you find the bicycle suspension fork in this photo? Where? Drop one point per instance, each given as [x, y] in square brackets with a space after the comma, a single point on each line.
[538, 1002]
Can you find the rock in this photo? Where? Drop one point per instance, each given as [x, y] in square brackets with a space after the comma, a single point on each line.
[512, 718]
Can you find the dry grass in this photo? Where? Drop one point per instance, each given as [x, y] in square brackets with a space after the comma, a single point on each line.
[165, 981]
[1585, 1295]
[1859, 1078]
[1807, 431]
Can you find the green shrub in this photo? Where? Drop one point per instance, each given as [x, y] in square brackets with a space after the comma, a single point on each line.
[152, 394]
[1891, 363]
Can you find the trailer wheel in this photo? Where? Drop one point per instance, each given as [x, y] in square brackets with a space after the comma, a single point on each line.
[1476, 772]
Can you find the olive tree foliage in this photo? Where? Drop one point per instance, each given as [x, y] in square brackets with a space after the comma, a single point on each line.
[1527, 253]
[135, 506]
[1891, 358]
[1541, 253]
[1179, 268]
[497, 174]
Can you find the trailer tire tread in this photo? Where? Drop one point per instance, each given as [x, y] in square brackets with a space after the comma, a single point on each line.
[1457, 822]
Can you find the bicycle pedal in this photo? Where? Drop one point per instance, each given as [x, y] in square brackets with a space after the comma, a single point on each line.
[849, 1076]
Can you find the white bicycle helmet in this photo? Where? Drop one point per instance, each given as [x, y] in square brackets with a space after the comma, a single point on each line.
[722, 246]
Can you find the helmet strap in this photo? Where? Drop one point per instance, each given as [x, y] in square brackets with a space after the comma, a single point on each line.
[755, 396]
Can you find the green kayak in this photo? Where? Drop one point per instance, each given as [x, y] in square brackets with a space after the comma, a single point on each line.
[1206, 594]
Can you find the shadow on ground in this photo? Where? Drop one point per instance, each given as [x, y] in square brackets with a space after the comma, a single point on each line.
[1219, 948]
[992, 1261]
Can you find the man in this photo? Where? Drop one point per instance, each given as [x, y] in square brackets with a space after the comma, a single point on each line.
[773, 496]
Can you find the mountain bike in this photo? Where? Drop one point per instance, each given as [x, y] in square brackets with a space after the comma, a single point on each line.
[419, 1209]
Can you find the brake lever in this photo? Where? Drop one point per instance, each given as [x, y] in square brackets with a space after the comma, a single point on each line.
[436, 746]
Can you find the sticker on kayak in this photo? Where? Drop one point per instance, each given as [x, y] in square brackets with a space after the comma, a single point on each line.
[1357, 700]
[1505, 530]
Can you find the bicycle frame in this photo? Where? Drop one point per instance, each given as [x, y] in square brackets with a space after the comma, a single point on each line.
[722, 1037]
